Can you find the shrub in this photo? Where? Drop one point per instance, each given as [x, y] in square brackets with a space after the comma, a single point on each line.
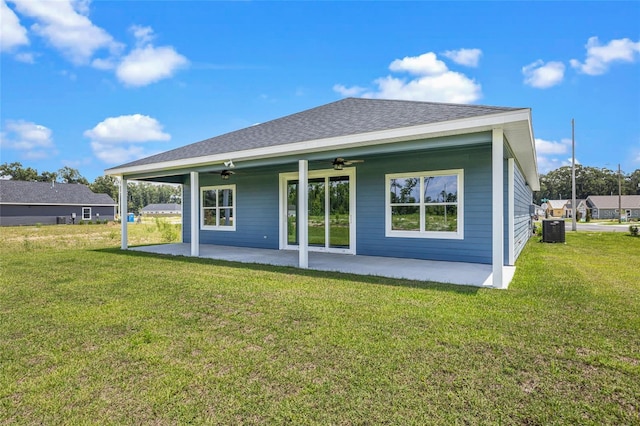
[634, 230]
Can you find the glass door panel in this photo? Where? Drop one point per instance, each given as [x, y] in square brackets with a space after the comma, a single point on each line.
[317, 212]
[339, 212]
[292, 212]
[329, 216]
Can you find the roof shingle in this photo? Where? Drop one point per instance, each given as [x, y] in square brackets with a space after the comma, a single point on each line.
[15, 191]
[348, 116]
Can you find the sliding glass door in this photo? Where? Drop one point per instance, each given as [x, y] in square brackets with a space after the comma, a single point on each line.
[329, 209]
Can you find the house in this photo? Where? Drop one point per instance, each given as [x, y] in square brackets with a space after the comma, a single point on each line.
[557, 208]
[46, 203]
[163, 209]
[366, 177]
[580, 208]
[607, 206]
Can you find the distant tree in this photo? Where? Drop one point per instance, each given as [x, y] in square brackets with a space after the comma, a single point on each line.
[105, 185]
[589, 181]
[17, 172]
[70, 175]
[141, 194]
[48, 177]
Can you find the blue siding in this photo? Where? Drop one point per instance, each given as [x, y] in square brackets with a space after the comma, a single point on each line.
[522, 219]
[257, 197]
[256, 210]
[370, 192]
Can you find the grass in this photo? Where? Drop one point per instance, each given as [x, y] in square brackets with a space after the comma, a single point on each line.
[94, 335]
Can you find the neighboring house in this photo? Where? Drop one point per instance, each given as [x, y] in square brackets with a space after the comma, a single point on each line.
[557, 208]
[166, 209]
[581, 208]
[606, 206]
[361, 176]
[30, 203]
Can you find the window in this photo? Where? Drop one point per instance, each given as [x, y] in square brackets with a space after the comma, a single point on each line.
[425, 204]
[218, 210]
[86, 213]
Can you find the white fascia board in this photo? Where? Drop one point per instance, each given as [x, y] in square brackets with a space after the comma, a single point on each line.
[424, 131]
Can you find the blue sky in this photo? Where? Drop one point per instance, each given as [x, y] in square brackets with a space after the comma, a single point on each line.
[91, 85]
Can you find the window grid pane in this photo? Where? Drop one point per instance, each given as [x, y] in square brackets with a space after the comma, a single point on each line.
[426, 203]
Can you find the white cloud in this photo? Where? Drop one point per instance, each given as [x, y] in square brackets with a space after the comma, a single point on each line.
[599, 57]
[128, 128]
[552, 147]
[551, 154]
[147, 64]
[348, 91]
[117, 139]
[433, 82]
[27, 58]
[12, 34]
[143, 35]
[32, 140]
[467, 57]
[542, 76]
[111, 154]
[64, 24]
[425, 64]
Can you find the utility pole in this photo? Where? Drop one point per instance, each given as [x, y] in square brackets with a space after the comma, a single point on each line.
[573, 177]
[619, 195]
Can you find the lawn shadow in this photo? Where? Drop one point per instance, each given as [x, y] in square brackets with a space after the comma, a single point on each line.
[312, 273]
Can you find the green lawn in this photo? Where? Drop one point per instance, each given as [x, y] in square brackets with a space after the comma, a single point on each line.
[93, 335]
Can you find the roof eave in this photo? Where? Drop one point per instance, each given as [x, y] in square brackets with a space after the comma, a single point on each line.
[510, 120]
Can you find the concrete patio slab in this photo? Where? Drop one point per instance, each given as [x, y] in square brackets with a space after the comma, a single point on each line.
[473, 274]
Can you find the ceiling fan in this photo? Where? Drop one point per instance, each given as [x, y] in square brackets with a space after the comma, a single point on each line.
[225, 174]
[339, 163]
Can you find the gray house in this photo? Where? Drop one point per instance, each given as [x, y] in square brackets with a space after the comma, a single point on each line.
[607, 206]
[364, 177]
[162, 209]
[30, 203]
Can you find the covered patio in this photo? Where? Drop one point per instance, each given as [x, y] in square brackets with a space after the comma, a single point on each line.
[473, 274]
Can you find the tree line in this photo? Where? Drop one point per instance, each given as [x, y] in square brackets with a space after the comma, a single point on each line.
[138, 194]
[556, 185]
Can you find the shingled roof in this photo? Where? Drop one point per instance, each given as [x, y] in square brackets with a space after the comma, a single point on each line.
[346, 117]
[47, 193]
[611, 201]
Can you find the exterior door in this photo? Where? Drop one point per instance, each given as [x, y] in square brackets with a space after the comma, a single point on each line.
[331, 211]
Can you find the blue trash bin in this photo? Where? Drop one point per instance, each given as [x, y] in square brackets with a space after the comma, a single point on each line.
[130, 217]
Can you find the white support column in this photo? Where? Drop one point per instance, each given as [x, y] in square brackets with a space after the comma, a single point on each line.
[497, 228]
[123, 213]
[512, 211]
[194, 183]
[303, 214]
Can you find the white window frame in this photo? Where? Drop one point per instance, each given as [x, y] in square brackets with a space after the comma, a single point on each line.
[218, 227]
[325, 173]
[83, 215]
[450, 235]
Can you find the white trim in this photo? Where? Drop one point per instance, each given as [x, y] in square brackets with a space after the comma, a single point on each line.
[497, 188]
[303, 214]
[201, 207]
[283, 213]
[123, 216]
[194, 185]
[446, 128]
[512, 211]
[83, 218]
[446, 235]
